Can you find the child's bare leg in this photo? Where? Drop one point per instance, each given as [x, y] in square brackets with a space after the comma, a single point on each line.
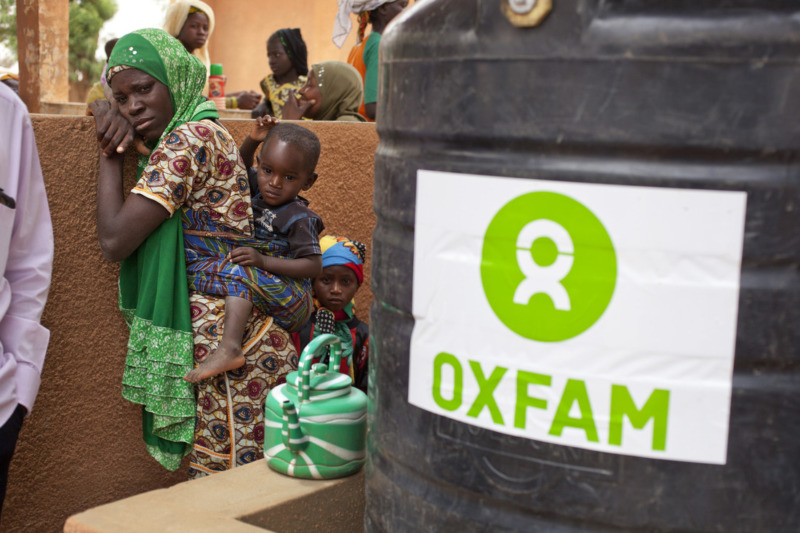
[228, 355]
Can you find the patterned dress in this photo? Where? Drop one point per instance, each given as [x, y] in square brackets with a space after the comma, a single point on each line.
[277, 95]
[197, 169]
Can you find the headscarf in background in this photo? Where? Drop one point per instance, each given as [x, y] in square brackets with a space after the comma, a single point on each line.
[295, 47]
[343, 251]
[342, 91]
[154, 297]
[342, 25]
[177, 14]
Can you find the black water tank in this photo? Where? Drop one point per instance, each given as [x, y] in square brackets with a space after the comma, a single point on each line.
[678, 94]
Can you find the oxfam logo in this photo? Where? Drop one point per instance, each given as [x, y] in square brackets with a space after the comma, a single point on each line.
[548, 266]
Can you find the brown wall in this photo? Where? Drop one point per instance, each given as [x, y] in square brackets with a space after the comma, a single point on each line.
[239, 40]
[82, 446]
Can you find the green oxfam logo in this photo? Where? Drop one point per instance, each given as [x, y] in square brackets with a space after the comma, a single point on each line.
[548, 267]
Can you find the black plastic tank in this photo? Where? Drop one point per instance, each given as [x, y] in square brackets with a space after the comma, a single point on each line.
[672, 94]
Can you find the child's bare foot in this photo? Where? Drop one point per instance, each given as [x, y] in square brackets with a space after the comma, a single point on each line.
[222, 360]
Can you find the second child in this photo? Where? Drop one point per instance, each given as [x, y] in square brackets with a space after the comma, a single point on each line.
[334, 290]
[275, 272]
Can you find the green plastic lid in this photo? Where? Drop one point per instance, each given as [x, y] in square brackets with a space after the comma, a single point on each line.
[216, 69]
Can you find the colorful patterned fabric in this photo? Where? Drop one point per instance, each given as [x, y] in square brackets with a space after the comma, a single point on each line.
[153, 294]
[230, 407]
[198, 165]
[277, 95]
[343, 251]
[287, 300]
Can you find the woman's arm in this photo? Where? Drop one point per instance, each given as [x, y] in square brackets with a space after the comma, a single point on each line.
[309, 266]
[122, 225]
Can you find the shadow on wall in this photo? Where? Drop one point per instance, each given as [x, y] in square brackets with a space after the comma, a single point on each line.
[82, 445]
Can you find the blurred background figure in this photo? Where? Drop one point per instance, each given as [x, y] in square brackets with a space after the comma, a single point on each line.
[101, 89]
[192, 23]
[364, 55]
[288, 61]
[11, 79]
[332, 92]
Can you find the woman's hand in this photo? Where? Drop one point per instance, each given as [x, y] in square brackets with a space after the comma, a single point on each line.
[247, 256]
[114, 132]
[294, 109]
[248, 99]
[261, 127]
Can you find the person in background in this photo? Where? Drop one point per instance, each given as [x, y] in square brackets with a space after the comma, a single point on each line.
[101, 89]
[342, 275]
[364, 55]
[192, 23]
[332, 92]
[26, 264]
[11, 79]
[288, 61]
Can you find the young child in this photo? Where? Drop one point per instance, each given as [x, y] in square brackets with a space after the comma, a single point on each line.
[288, 61]
[275, 273]
[342, 275]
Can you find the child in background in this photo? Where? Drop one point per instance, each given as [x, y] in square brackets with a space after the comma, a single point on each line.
[342, 275]
[101, 89]
[274, 272]
[288, 61]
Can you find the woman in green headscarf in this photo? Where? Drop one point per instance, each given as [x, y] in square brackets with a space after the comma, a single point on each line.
[333, 91]
[192, 182]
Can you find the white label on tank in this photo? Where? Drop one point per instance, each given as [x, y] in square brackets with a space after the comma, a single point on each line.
[596, 316]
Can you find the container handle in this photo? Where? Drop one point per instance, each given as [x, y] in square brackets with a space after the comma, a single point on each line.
[314, 349]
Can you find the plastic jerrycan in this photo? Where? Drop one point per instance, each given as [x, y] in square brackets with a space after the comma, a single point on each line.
[647, 382]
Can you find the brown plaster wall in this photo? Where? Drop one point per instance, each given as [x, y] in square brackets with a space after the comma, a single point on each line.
[240, 37]
[82, 447]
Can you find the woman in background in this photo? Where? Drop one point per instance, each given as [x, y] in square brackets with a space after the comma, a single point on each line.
[333, 92]
[192, 23]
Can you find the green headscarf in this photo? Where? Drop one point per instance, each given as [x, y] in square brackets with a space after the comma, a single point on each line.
[342, 91]
[162, 56]
[154, 296]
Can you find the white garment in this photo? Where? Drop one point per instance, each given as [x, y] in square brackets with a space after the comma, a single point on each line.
[342, 25]
[26, 258]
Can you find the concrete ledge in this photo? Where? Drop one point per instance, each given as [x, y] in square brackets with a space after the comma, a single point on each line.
[249, 499]
[79, 109]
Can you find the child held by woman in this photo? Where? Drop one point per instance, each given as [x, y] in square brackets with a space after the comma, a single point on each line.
[274, 272]
[334, 290]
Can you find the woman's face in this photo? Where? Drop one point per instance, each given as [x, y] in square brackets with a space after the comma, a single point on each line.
[279, 62]
[310, 91]
[194, 33]
[143, 101]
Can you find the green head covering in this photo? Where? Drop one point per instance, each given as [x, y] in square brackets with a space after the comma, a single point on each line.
[162, 56]
[342, 91]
